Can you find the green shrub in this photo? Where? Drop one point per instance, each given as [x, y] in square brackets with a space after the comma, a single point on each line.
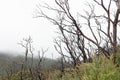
[101, 69]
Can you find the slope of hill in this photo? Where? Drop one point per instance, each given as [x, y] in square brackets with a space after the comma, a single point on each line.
[7, 61]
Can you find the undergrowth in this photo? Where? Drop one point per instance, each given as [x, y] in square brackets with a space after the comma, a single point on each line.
[100, 69]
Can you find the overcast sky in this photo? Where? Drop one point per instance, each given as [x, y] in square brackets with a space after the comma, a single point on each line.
[17, 22]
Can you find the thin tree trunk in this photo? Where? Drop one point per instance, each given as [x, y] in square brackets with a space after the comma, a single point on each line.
[115, 34]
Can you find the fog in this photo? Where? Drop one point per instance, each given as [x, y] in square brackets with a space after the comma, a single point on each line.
[17, 22]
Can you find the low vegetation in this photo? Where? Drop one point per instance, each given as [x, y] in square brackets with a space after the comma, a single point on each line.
[100, 69]
[91, 56]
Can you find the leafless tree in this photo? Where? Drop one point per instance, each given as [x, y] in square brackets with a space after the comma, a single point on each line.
[38, 71]
[111, 23]
[27, 44]
[41, 57]
[74, 37]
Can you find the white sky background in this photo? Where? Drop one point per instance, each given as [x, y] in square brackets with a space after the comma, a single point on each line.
[17, 22]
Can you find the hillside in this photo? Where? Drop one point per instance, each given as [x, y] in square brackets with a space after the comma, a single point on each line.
[7, 61]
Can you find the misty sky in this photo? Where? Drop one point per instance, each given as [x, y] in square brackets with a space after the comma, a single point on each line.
[17, 22]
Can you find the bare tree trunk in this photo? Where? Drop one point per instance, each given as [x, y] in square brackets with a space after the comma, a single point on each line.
[115, 34]
[21, 73]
